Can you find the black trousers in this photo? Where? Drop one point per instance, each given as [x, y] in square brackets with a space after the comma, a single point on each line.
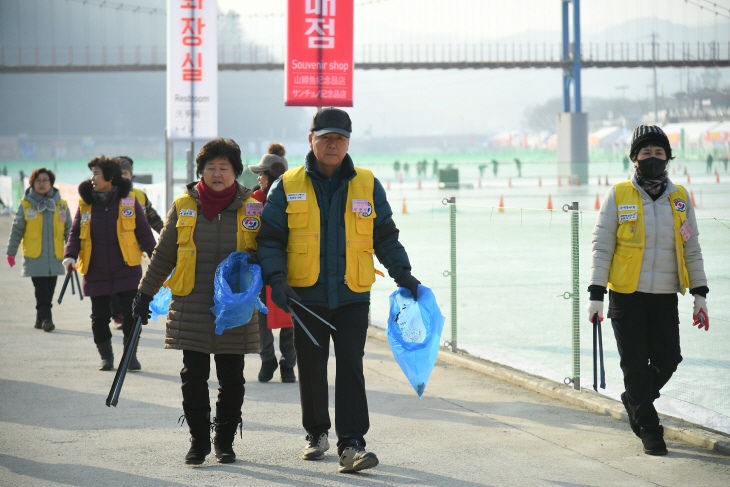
[646, 327]
[286, 345]
[351, 405]
[101, 315]
[194, 375]
[44, 289]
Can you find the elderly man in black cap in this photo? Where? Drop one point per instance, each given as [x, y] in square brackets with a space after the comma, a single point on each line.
[319, 231]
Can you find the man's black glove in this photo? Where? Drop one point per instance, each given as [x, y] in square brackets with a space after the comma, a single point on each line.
[141, 307]
[409, 282]
[281, 291]
[253, 258]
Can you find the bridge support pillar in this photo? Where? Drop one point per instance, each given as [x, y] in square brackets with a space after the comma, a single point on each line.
[572, 150]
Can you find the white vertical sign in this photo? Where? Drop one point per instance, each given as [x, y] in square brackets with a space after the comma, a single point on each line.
[192, 69]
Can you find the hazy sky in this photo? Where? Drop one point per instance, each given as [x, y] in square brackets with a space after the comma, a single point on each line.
[451, 101]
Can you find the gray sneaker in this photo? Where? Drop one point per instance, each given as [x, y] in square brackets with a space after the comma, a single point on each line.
[316, 446]
[354, 458]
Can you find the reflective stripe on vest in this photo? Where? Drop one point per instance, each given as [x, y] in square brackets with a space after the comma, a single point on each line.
[303, 246]
[126, 224]
[182, 281]
[33, 235]
[630, 238]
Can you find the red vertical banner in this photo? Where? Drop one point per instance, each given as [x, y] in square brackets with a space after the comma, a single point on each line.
[319, 59]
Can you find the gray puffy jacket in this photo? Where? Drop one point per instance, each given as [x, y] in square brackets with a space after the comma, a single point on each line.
[46, 264]
[659, 273]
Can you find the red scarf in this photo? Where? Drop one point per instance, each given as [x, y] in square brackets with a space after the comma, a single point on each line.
[213, 202]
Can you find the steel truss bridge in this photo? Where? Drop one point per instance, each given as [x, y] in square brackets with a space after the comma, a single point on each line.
[465, 56]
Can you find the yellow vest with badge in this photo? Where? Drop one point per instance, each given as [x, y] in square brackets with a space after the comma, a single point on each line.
[33, 235]
[303, 246]
[141, 197]
[126, 224]
[626, 266]
[182, 281]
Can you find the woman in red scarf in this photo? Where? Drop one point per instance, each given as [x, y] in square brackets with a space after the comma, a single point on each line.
[212, 206]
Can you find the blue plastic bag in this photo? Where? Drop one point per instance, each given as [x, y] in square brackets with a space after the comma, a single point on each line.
[160, 304]
[414, 333]
[237, 287]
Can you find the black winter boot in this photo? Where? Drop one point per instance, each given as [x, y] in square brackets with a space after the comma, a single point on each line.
[653, 439]
[38, 323]
[200, 426]
[48, 325]
[225, 432]
[134, 364]
[267, 370]
[107, 355]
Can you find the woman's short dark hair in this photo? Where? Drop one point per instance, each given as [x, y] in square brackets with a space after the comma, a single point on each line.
[41, 170]
[109, 168]
[223, 148]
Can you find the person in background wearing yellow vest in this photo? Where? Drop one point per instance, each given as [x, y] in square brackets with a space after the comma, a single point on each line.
[273, 164]
[40, 229]
[126, 163]
[320, 228]
[108, 230]
[646, 250]
[214, 218]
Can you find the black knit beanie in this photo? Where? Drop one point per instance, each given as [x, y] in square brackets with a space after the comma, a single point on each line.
[645, 135]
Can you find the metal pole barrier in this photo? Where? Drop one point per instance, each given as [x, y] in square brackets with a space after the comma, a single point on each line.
[452, 211]
[168, 172]
[190, 155]
[575, 268]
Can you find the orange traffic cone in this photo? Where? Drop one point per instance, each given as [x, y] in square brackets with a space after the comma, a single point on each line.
[419, 183]
[550, 202]
[674, 171]
[405, 208]
[509, 182]
[577, 181]
[598, 202]
[560, 183]
[539, 181]
[480, 182]
[501, 203]
[569, 181]
[692, 197]
[599, 180]
[387, 184]
[718, 176]
[688, 180]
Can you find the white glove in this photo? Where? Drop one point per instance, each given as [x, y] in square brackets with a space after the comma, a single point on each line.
[593, 308]
[69, 261]
[700, 313]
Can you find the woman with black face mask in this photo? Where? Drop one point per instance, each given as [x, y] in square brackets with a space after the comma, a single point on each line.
[646, 250]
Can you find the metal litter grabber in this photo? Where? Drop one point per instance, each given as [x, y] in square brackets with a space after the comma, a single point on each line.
[314, 314]
[78, 285]
[69, 275]
[598, 351]
[113, 396]
[294, 315]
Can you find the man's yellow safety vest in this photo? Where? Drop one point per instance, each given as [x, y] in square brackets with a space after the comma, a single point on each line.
[182, 281]
[126, 224]
[141, 197]
[626, 266]
[33, 235]
[303, 246]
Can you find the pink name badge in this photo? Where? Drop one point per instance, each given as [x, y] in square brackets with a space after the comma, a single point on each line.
[254, 209]
[686, 231]
[62, 218]
[128, 201]
[360, 206]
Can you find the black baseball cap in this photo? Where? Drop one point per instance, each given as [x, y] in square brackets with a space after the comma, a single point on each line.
[331, 119]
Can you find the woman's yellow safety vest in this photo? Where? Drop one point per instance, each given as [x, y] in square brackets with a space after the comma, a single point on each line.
[182, 281]
[625, 269]
[33, 235]
[126, 224]
[142, 198]
[303, 246]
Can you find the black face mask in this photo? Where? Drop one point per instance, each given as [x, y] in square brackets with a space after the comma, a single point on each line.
[652, 168]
